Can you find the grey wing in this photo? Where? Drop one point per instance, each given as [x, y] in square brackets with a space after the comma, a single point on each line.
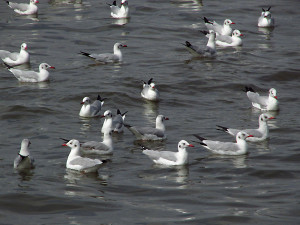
[233, 132]
[17, 161]
[85, 162]
[96, 107]
[256, 98]
[256, 133]
[224, 38]
[25, 75]
[145, 90]
[94, 145]
[4, 54]
[151, 131]
[114, 9]
[106, 57]
[117, 122]
[155, 155]
[215, 26]
[195, 51]
[208, 50]
[19, 6]
[221, 146]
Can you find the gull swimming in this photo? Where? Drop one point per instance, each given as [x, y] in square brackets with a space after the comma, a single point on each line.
[118, 121]
[102, 148]
[90, 109]
[15, 58]
[150, 133]
[226, 148]
[259, 134]
[24, 8]
[119, 12]
[149, 91]
[208, 51]
[76, 162]
[224, 29]
[107, 57]
[265, 19]
[170, 158]
[32, 76]
[24, 160]
[228, 41]
[266, 103]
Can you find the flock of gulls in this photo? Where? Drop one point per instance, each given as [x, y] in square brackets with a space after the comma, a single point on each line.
[221, 35]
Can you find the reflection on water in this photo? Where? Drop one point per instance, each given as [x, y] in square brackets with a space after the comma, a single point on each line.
[121, 21]
[238, 161]
[25, 174]
[267, 31]
[194, 5]
[40, 85]
[151, 110]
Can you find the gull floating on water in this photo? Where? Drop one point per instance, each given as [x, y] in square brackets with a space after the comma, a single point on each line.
[102, 148]
[228, 41]
[119, 12]
[150, 133]
[24, 160]
[170, 158]
[224, 29]
[118, 121]
[227, 148]
[267, 103]
[15, 58]
[208, 51]
[32, 76]
[265, 19]
[76, 162]
[89, 109]
[23, 8]
[149, 91]
[259, 134]
[107, 57]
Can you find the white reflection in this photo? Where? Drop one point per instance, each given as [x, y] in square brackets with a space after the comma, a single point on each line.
[121, 21]
[151, 110]
[267, 31]
[194, 5]
[40, 85]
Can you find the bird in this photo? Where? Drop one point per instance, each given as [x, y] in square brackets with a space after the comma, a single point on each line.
[24, 8]
[24, 160]
[149, 91]
[15, 58]
[119, 12]
[265, 19]
[89, 109]
[224, 29]
[265, 103]
[208, 51]
[107, 57]
[259, 134]
[170, 158]
[226, 148]
[32, 76]
[150, 133]
[103, 148]
[76, 162]
[228, 41]
[118, 121]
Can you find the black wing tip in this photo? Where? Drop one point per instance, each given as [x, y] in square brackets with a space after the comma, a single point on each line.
[222, 128]
[269, 8]
[7, 2]
[7, 66]
[205, 32]
[188, 44]
[150, 80]
[65, 140]
[199, 137]
[248, 88]
[124, 113]
[143, 147]
[119, 112]
[100, 99]
[127, 125]
[85, 53]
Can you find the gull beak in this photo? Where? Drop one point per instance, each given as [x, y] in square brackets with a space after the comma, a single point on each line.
[52, 67]
[271, 118]
[275, 97]
[249, 136]
[232, 23]
[190, 145]
[166, 118]
[64, 145]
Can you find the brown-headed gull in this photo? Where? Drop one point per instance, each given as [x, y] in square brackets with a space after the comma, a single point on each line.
[170, 158]
[265, 103]
[89, 109]
[76, 162]
[107, 57]
[224, 29]
[111, 123]
[32, 76]
[149, 91]
[24, 160]
[227, 148]
[150, 133]
[23, 8]
[102, 148]
[208, 51]
[15, 58]
[228, 41]
[259, 134]
[265, 19]
[119, 12]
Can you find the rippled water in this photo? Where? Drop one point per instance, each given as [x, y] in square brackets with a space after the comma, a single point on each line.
[259, 188]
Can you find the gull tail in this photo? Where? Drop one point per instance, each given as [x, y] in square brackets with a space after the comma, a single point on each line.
[201, 139]
[248, 89]
[221, 128]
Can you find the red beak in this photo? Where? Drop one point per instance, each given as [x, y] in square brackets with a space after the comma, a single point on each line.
[64, 145]
[271, 118]
[124, 45]
[250, 136]
[102, 116]
[166, 118]
[241, 35]
[82, 103]
[275, 97]
[37, 2]
[232, 23]
[191, 145]
[52, 67]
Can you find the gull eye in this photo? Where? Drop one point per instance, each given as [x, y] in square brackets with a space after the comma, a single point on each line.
[179, 146]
